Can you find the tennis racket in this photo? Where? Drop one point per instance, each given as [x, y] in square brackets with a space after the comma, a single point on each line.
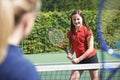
[108, 28]
[57, 38]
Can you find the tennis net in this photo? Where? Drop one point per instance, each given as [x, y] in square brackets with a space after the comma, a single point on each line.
[63, 72]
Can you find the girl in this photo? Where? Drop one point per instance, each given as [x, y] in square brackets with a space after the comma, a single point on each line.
[16, 22]
[81, 42]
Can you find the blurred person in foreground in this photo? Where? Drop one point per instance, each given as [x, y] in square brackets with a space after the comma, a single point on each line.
[16, 22]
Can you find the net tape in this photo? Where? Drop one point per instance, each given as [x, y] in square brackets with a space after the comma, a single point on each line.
[77, 66]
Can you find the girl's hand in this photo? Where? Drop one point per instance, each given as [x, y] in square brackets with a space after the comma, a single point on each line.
[69, 56]
[76, 60]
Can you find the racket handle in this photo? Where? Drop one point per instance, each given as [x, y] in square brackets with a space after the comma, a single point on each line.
[65, 49]
[71, 59]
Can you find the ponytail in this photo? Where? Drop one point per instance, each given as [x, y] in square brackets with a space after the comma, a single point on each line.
[6, 25]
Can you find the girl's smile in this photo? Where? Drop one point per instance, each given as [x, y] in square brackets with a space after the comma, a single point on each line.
[77, 21]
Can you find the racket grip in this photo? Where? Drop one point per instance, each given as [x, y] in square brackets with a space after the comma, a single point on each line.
[65, 49]
[71, 59]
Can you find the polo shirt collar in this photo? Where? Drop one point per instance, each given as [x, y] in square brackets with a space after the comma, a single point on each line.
[79, 29]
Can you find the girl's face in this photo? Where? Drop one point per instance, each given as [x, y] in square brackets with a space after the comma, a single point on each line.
[77, 21]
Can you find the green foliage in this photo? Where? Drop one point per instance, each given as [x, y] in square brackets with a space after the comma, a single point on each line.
[65, 5]
[111, 27]
[38, 41]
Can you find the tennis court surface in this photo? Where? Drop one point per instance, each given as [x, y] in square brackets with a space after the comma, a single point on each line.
[55, 66]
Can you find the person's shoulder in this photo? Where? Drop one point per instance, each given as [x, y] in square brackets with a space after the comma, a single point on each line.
[15, 55]
[21, 68]
[27, 70]
[25, 63]
[86, 29]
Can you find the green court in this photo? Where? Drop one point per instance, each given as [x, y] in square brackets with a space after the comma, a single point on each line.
[61, 58]
[55, 58]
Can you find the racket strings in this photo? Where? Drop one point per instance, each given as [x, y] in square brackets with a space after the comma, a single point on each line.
[112, 4]
[110, 16]
[56, 37]
[108, 19]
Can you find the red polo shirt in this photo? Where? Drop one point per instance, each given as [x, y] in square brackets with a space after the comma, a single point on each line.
[79, 41]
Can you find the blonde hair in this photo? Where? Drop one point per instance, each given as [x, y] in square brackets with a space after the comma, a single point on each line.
[11, 12]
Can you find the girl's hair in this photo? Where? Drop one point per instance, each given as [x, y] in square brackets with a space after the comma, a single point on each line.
[11, 12]
[72, 27]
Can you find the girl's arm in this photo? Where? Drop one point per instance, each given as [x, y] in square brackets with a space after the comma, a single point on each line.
[90, 42]
[70, 53]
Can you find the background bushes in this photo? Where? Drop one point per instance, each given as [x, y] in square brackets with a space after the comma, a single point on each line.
[38, 41]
